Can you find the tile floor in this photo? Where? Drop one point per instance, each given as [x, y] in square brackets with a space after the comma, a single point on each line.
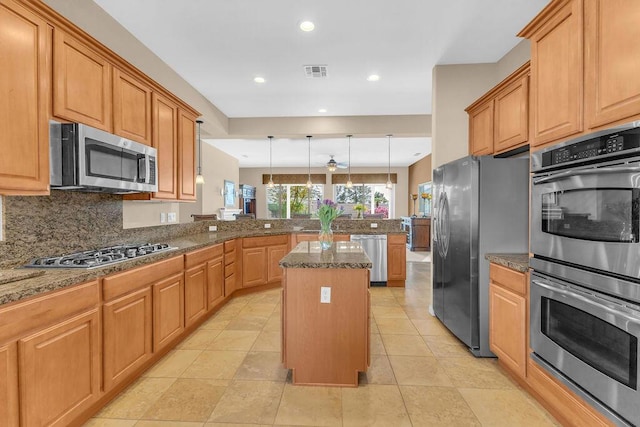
[228, 373]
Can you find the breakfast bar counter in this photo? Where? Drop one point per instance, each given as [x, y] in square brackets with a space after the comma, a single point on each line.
[325, 313]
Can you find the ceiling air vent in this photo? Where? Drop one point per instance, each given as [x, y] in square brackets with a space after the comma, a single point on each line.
[316, 71]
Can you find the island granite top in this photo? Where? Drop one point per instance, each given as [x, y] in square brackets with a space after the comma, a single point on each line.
[517, 262]
[340, 255]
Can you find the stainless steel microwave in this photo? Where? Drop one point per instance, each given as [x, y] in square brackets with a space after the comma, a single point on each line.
[84, 158]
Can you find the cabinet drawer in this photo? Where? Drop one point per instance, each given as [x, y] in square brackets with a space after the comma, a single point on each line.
[507, 278]
[396, 239]
[121, 283]
[230, 245]
[202, 255]
[229, 269]
[230, 257]
[254, 242]
[19, 318]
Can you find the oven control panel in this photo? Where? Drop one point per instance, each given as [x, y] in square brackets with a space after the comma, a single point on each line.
[593, 148]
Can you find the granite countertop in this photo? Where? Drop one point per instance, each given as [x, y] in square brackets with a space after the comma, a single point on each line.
[517, 262]
[20, 283]
[340, 255]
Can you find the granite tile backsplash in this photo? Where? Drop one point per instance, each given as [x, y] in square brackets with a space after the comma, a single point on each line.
[67, 221]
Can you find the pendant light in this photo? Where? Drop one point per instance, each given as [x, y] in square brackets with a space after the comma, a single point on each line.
[199, 177]
[270, 183]
[389, 183]
[309, 183]
[349, 183]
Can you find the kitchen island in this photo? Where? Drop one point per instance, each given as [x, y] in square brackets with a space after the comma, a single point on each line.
[325, 313]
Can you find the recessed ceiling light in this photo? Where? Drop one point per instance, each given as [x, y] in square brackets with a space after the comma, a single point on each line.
[373, 78]
[259, 80]
[307, 26]
[322, 110]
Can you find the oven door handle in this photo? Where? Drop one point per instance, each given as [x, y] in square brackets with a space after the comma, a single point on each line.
[595, 171]
[611, 307]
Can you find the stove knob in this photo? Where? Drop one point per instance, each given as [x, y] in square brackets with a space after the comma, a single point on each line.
[131, 252]
[141, 252]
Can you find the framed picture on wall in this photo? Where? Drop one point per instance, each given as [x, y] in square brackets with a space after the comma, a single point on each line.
[229, 193]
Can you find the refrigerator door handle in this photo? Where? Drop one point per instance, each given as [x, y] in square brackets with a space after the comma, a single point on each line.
[438, 223]
[445, 229]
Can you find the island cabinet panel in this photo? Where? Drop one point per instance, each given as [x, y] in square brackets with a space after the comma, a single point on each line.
[127, 335]
[131, 108]
[186, 156]
[612, 61]
[481, 129]
[9, 385]
[82, 89]
[60, 371]
[168, 310]
[25, 49]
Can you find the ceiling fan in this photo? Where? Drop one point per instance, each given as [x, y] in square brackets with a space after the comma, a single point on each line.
[332, 164]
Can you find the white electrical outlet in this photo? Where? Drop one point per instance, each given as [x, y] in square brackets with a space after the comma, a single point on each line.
[171, 217]
[374, 225]
[163, 217]
[213, 228]
[267, 226]
[325, 294]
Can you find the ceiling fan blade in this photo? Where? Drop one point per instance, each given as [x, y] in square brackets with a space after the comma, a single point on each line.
[342, 165]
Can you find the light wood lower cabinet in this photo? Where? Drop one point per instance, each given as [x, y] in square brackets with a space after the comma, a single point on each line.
[128, 326]
[9, 385]
[60, 371]
[168, 310]
[396, 260]
[195, 294]
[254, 261]
[231, 264]
[260, 258]
[274, 255]
[204, 281]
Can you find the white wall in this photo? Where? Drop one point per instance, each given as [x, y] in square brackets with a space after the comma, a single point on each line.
[253, 176]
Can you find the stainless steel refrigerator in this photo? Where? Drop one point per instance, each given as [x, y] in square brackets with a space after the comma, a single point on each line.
[480, 205]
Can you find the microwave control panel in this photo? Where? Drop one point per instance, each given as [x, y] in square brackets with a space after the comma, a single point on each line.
[593, 148]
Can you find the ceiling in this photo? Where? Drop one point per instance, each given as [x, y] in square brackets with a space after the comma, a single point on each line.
[220, 46]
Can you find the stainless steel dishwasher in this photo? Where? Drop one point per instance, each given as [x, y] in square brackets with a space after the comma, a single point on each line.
[375, 246]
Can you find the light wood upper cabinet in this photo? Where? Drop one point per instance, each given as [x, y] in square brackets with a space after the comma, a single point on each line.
[511, 115]
[82, 89]
[165, 140]
[612, 61]
[186, 156]
[481, 129]
[60, 371]
[556, 71]
[131, 108]
[9, 385]
[25, 87]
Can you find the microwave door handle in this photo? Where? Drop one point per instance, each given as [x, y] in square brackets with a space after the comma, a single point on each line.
[594, 171]
[143, 168]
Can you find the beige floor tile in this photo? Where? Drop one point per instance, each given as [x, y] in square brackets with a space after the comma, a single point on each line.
[373, 405]
[215, 323]
[234, 340]
[199, 340]
[379, 371]
[273, 324]
[249, 402]
[384, 301]
[396, 312]
[188, 399]
[137, 399]
[504, 408]
[258, 309]
[472, 372]
[147, 423]
[438, 406]
[376, 344]
[373, 326]
[215, 365]
[262, 365]
[405, 345]
[268, 341]
[388, 325]
[430, 327]
[446, 346]
[412, 370]
[235, 425]
[310, 406]
[248, 322]
[108, 422]
[173, 364]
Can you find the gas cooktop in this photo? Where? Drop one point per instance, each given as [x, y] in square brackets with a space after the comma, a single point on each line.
[100, 257]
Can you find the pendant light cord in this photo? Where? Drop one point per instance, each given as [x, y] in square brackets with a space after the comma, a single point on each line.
[270, 161]
[309, 170]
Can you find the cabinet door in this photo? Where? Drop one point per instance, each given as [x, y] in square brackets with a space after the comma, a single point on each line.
[507, 328]
[9, 385]
[481, 129]
[556, 75]
[254, 267]
[127, 335]
[612, 55]
[396, 262]
[168, 310]
[131, 108]
[165, 140]
[511, 109]
[25, 46]
[186, 156]
[274, 255]
[81, 83]
[215, 282]
[59, 371]
[195, 294]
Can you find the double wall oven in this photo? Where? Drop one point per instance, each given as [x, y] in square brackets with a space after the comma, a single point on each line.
[585, 284]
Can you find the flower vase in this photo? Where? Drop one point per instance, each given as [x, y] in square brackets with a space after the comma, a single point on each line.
[326, 236]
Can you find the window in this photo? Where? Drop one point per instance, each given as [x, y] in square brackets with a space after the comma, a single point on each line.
[425, 202]
[287, 200]
[372, 198]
